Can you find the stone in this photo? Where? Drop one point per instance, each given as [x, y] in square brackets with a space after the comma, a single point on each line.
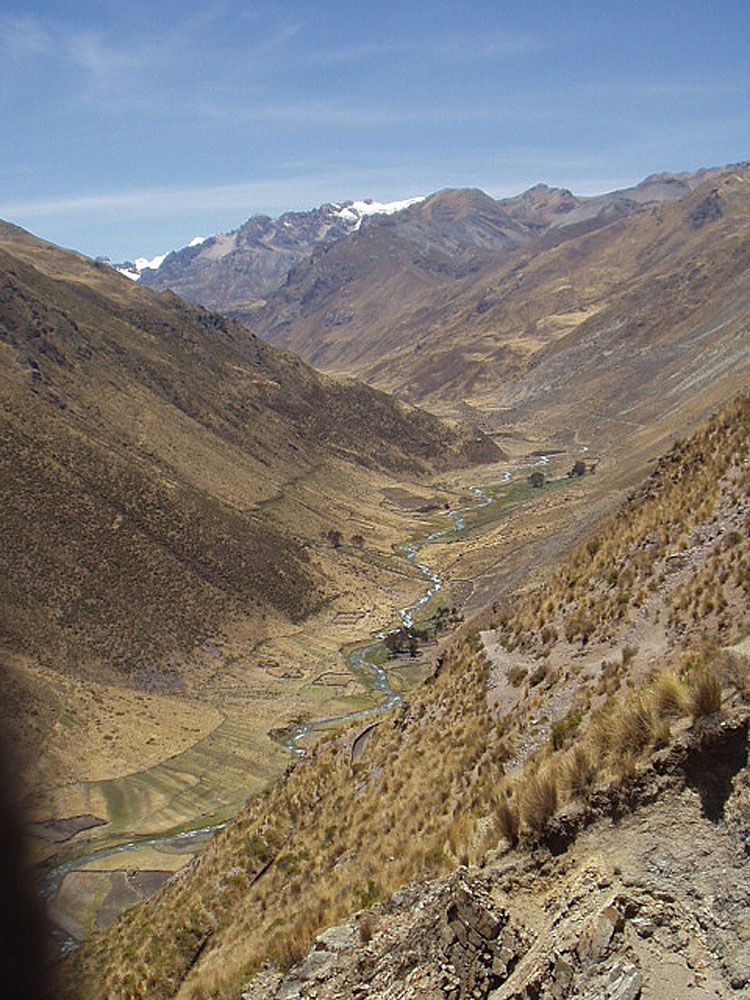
[563, 976]
[624, 982]
[598, 933]
[643, 927]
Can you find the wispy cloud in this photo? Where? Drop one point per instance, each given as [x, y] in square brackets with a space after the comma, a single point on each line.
[280, 193]
[683, 90]
[316, 113]
[22, 37]
[98, 61]
[496, 46]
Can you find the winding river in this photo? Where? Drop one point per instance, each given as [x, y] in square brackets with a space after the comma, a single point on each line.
[370, 673]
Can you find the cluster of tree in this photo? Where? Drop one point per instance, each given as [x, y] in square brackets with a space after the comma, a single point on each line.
[537, 480]
[579, 469]
[407, 640]
[336, 538]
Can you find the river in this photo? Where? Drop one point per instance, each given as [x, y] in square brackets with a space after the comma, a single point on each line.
[370, 673]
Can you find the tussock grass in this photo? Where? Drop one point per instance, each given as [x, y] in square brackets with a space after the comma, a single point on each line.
[538, 799]
[634, 727]
[669, 696]
[508, 819]
[580, 772]
[705, 692]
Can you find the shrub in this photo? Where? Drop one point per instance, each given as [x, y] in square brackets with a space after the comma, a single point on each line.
[508, 819]
[628, 653]
[539, 675]
[634, 727]
[517, 675]
[736, 670]
[580, 773]
[668, 697]
[366, 928]
[564, 728]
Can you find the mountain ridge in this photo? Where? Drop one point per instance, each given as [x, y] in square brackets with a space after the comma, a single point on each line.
[486, 339]
[234, 271]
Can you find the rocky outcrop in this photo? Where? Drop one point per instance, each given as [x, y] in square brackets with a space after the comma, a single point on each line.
[649, 903]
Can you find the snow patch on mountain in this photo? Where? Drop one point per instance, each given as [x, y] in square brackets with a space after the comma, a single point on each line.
[133, 268]
[355, 211]
[351, 213]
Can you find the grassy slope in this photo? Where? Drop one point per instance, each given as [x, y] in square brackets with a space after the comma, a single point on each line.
[167, 480]
[429, 789]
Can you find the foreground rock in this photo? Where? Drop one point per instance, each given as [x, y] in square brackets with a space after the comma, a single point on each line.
[651, 903]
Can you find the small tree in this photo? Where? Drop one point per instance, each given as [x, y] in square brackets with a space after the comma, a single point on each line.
[579, 469]
[536, 479]
[335, 537]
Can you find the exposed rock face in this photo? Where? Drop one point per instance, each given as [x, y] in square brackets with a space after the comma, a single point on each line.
[231, 271]
[651, 903]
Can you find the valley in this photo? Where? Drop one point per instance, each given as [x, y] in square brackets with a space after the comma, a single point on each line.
[210, 551]
[319, 847]
[210, 781]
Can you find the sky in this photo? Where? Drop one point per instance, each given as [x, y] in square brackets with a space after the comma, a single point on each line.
[131, 127]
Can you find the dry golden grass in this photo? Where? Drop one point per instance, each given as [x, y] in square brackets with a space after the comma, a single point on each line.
[334, 851]
[508, 819]
[612, 572]
[580, 772]
[705, 692]
[335, 837]
[669, 696]
[538, 799]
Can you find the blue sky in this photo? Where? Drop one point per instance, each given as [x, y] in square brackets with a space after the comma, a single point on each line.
[131, 127]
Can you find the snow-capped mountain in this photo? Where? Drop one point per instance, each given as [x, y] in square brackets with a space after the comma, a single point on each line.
[239, 269]
[133, 268]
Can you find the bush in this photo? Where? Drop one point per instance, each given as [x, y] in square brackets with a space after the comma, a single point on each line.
[580, 774]
[634, 728]
[564, 728]
[517, 675]
[508, 820]
[669, 697]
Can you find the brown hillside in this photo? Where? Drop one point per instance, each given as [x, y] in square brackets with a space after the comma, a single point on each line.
[524, 739]
[168, 483]
[655, 300]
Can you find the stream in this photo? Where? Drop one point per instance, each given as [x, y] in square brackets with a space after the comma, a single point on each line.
[358, 662]
[371, 674]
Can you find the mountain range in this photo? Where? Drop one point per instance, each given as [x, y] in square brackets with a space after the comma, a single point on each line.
[232, 272]
[459, 300]
[537, 407]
